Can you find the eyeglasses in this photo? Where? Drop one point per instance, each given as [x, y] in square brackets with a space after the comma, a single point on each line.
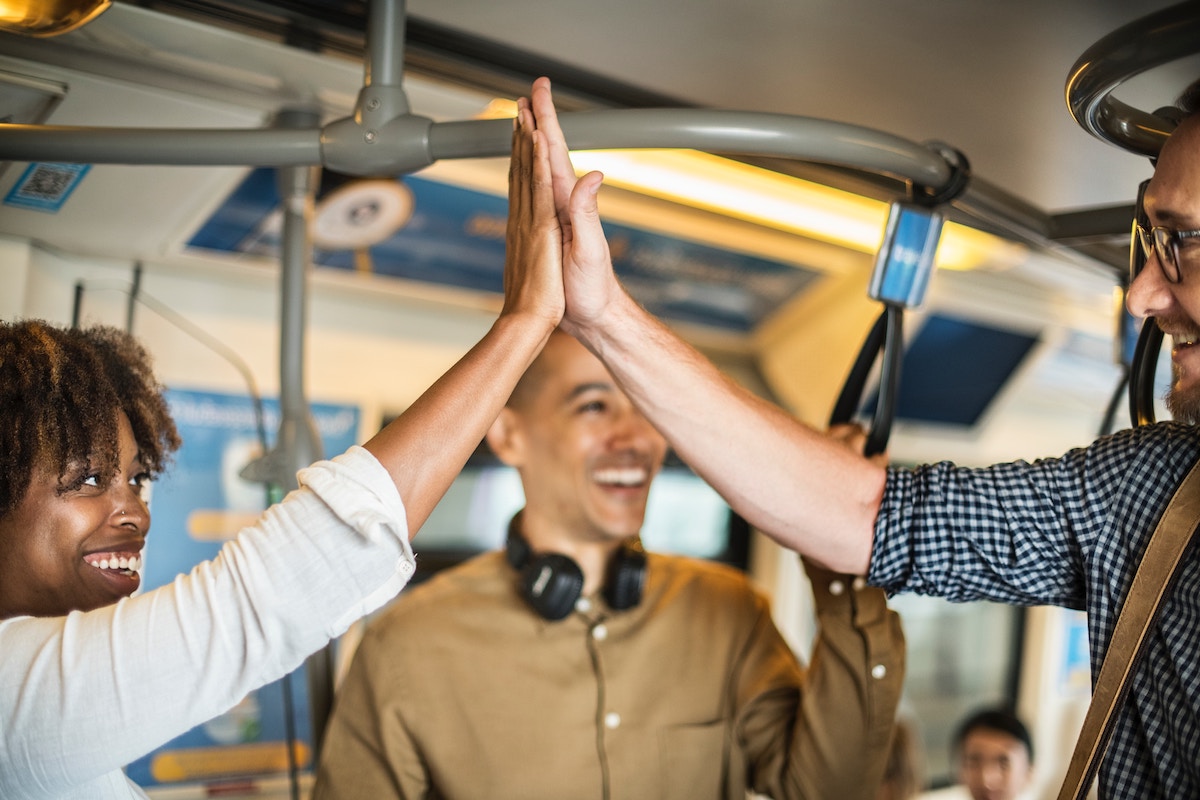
[1164, 243]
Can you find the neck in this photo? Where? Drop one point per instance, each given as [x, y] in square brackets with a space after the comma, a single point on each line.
[592, 555]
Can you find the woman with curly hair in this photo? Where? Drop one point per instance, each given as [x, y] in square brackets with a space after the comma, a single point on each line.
[91, 676]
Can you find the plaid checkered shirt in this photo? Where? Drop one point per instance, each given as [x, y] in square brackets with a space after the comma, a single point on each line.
[1068, 531]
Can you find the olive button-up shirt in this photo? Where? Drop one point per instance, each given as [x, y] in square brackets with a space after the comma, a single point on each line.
[461, 691]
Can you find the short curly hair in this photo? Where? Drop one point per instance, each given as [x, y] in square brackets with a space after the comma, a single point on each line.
[1189, 100]
[60, 394]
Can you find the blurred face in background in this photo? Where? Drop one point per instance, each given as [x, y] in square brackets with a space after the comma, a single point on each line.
[994, 765]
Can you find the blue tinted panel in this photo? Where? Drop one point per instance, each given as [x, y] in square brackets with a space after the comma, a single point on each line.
[456, 238]
[953, 369]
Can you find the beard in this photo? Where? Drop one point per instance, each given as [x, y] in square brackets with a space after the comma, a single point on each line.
[1183, 398]
[1184, 404]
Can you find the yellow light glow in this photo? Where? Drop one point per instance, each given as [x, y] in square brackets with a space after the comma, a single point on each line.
[744, 192]
[48, 17]
[964, 248]
[772, 199]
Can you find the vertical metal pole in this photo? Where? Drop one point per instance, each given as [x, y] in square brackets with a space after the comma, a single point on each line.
[135, 289]
[77, 304]
[299, 443]
[298, 436]
[385, 43]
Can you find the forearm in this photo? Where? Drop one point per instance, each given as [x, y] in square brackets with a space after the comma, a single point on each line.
[155, 665]
[808, 492]
[851, 693]
[426, 447]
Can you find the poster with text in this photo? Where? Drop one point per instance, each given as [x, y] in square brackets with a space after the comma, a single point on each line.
[197, 505]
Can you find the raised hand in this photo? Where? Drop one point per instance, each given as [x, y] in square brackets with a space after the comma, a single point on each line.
[533, 252]
[591, 288]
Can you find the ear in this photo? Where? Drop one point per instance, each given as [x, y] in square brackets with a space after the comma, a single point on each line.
[506, 437]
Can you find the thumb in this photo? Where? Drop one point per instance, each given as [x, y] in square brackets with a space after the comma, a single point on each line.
[587, 234]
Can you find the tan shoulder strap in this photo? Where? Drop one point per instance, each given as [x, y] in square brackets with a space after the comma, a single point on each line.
[1150, 585]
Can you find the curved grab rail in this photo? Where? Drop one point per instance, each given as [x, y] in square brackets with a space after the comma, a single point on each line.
[729, 132]
[382, 137]
[407, 142]
[1143, 44]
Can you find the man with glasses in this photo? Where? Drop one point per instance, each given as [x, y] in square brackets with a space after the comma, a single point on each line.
[1068, 531]
[1164, 243]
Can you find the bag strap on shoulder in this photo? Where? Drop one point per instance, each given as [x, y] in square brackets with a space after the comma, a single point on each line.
[1151, 583]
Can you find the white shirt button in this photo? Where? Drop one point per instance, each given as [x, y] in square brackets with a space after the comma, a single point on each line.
[600, 632]
[878, 671]
[836, 588]
[612, 720]
[860, 584]
[583, 605]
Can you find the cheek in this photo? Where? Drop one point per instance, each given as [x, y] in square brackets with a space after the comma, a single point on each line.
[23, 534]
[33, 550]
[53, 541]
[572, 446]
[1188, 303]
[34, 574]
[660, 448]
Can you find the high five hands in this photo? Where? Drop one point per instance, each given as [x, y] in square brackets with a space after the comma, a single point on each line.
[533, 281]
[591, 288]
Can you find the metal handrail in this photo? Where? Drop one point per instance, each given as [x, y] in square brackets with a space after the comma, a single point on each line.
[406, 142]
[1130, 50]
[382, 137]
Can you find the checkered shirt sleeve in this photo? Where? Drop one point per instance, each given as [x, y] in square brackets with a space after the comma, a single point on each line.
[1068, 531]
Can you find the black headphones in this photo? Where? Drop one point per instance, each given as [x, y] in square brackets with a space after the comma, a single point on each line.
[552, 582]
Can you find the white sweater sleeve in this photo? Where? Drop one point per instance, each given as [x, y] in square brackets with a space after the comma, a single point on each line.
[85, 694]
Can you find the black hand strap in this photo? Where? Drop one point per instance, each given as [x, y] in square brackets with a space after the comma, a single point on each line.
[1141, 374]
[885, 340]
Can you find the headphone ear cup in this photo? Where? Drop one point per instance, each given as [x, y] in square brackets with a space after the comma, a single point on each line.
[516, 550]
[551, 584]
[626, 578]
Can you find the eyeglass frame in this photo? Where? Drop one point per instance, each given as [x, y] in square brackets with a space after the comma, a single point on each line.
[1157, 238]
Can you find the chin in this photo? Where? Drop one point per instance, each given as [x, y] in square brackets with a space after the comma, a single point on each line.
[1184, 404]
[620, 531]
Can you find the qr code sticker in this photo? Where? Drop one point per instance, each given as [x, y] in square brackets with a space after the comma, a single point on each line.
[46, 186]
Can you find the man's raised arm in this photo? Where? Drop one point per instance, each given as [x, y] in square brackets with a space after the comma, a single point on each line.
[806, 490]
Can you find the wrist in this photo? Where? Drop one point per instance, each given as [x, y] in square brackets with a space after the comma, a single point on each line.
[609, 325]
[523, 330]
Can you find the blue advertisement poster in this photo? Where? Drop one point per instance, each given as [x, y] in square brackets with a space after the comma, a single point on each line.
[456, 238]
[197, 505]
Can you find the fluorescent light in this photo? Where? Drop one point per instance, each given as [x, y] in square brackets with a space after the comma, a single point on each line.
[744, 192]
[964, 248]
[772, 199]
